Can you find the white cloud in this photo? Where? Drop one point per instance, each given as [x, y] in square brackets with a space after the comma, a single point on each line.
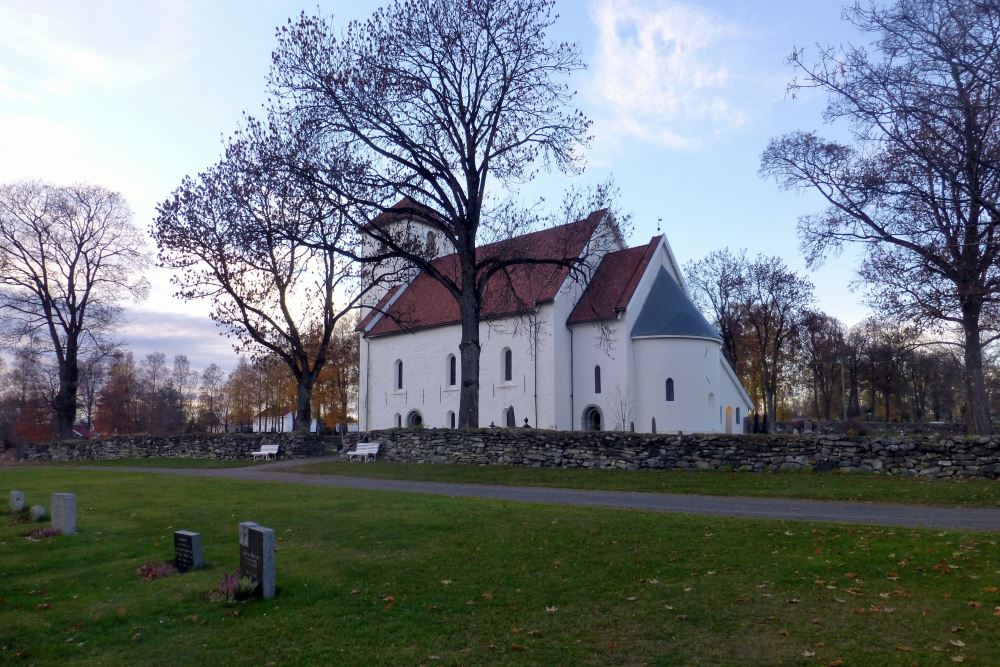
[657, 75]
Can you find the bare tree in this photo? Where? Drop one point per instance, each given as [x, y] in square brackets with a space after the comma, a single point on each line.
[716, 282]
[269, 249]
[68, 257]
[772, 301]
[919, 185]
[185, 381]
[438, 102]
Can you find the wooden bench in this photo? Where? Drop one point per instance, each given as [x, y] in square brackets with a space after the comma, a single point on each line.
[366, 450]
[266, 452]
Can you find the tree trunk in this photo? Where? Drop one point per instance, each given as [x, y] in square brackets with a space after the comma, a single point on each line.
[303, 401]
[977, 410]
[64, 402]
[770, 410]
[469, 350]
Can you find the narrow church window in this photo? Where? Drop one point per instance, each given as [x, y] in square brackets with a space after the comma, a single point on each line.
[670, 389]
[398, 420]
[737, 415]
[508, 365]
[631, 426]
[452, 371]
[597, 379]
[451, 419]
[399, 374]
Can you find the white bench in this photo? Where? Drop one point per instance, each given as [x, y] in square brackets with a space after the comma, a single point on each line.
[366, 450]
[266, 452]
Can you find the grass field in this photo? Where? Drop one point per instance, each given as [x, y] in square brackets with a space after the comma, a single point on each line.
[382, 578]
[823, 486]
[160, 463]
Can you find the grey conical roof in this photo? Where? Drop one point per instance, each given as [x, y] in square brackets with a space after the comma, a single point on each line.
[668, 311]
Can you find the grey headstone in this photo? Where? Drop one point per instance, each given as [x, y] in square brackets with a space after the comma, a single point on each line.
[37, 513]
[257, 559]
[16, 501]
[245, 532]
[188, 551]
[64, 512]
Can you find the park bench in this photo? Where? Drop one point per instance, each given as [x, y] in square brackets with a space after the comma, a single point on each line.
[266, 452]
[366, 450]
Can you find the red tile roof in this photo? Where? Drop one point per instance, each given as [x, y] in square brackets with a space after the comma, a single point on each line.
[425, 302]
[613, 284]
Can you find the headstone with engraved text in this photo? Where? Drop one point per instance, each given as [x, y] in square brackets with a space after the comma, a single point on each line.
[188, 551]
[16, 501]
[257, 557]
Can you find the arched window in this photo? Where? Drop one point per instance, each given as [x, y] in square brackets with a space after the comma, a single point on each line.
[397, 420]
[451, 419]
[631, 427]
[597, 379]
[508, 417]
[737, 415]
[508, 365]
[670, 389]
[399, 374]
[431, 244]
[654, 425]
[452, 370]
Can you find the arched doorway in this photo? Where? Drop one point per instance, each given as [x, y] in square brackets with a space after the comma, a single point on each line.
[414, 419]
[509, 420]
[592, 419]
[729, 419]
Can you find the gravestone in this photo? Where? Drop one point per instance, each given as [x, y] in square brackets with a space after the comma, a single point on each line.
[188, 551]
[64, 512]
[16, 501]
[257, 557]
[37, 513]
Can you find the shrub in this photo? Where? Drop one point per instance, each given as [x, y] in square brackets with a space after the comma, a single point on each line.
[42, 533]
[156, 570]
[234, 588]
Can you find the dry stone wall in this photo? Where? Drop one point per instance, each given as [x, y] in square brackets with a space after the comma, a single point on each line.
[201, 446]
[929, 456]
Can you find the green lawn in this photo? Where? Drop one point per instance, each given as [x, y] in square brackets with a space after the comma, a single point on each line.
[382, 578]
[824, 486]
[160, 463]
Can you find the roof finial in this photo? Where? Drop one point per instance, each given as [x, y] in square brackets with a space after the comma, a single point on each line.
[658, 221]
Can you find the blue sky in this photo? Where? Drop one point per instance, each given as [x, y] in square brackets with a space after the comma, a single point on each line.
[134, 94]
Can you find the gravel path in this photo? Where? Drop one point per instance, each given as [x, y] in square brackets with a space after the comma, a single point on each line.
[734, 506]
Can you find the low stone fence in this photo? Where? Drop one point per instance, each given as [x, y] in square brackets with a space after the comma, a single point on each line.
[928, 455]
[199, 446]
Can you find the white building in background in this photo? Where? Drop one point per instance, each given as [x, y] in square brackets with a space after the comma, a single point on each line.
[624, 348]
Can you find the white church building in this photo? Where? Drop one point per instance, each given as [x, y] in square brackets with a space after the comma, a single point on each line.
[620, 347]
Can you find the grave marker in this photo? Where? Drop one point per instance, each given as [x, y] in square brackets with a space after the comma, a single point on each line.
[188, 551]
[16, 501]
[37, 513]
[257, 557]
[64, 512]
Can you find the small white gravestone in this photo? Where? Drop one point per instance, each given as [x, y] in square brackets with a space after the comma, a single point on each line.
[313, 426]
[16, 501]
[37, 513]
[64, 512]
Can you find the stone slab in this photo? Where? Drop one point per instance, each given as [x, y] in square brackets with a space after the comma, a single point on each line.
[64, 512]
[257, 558]
[16, 501]
[189, 554]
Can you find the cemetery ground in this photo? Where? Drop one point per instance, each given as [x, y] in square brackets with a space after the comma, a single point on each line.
[389, 578]
[860, 487]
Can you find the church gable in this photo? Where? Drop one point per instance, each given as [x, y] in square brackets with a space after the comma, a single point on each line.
[614, 283]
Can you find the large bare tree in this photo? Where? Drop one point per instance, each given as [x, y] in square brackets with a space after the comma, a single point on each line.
[69, 256]
[918, 184]
[440, 102]
[267, 248]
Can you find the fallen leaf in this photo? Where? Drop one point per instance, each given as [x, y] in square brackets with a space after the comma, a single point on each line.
[808, 654]
[835, 663]
[446, 582]
[551, 610]
[487, 595]
[518, 647]
[905, 649]
[958, 658]
[632, 598]
[956, 642]
[974, 604]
